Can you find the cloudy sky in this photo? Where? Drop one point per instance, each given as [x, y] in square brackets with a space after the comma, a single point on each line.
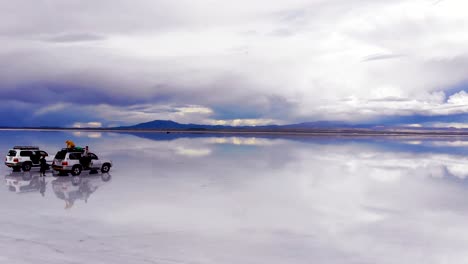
[233, 62]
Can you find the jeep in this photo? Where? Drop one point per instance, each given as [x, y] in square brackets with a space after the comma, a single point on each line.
[24, 157]
[75, 160]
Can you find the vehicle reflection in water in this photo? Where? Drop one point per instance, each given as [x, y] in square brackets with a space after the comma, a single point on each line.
[71, 189]
[26, 182]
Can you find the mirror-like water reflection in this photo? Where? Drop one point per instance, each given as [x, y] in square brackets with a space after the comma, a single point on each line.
[214, 199]
[68, 189]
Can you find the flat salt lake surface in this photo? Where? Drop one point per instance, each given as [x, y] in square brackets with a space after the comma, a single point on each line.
[214, 199]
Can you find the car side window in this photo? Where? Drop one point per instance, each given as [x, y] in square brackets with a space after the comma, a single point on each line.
[93, 156]
[43, 153]
[26, 153]
[75, 156]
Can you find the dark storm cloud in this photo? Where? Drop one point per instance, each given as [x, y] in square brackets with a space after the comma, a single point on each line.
[48, 93]
[17, 113]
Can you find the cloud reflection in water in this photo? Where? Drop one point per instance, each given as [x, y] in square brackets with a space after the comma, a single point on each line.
[287, 200]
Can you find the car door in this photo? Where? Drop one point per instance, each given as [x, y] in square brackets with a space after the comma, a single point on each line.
[74, 159]
[95, 162]
[49, 159]
[26, 155]
[35, 157]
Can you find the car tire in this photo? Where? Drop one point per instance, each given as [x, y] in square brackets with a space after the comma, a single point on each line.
[105, 168]
[26, 166]
[105, 177]
[76, 180]
[76, 170]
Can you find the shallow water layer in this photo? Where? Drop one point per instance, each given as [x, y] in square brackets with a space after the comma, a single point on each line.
[215, 199]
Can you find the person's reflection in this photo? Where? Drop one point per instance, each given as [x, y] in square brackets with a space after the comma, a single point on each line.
[24, 182]
[43, 185]
[72, 189]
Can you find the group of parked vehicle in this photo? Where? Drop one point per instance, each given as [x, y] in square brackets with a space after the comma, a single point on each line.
[72, 160]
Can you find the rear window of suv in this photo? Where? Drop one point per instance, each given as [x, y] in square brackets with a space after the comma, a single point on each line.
[74, 156]
[60, 155]
[11, 153]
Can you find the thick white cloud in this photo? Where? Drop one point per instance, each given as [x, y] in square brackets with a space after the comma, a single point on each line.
[433, 104]
[282, 60]
[89, 124]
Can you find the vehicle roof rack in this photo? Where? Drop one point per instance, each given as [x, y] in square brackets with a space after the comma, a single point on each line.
[26, 147]
[73, 150]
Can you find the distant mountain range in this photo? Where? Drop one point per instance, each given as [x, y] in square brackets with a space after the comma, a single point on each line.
[171, 125]
[319, 127]
[307, 126]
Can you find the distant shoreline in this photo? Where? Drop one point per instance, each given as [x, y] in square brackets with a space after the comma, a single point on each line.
[308, 132]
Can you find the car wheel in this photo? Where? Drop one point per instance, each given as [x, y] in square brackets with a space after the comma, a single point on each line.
[26, 166]
[76, 180]
[105, 177]
[76, 170]
[105, 168]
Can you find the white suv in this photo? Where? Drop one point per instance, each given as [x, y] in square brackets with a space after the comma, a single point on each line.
[76, 160]
[24, 157]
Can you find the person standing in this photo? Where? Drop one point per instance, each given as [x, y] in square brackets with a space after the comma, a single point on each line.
[44, 166]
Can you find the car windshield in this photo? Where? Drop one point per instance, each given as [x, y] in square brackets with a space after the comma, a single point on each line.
[61, 155]
[11, 153]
